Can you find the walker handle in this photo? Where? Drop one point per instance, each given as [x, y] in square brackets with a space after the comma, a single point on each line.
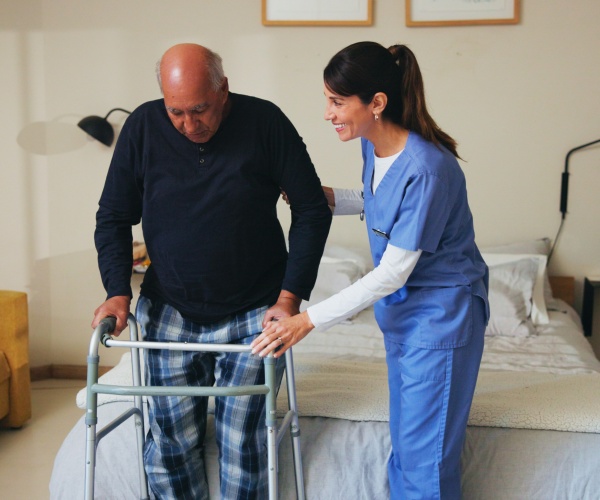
[109, 323]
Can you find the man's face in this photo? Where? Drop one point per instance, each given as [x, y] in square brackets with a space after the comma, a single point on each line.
[194, 107]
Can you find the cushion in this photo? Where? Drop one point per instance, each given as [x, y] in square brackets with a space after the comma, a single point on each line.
[540, 246]
[510, 296]
[539, 313]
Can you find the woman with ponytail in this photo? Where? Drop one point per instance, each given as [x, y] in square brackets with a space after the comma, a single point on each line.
[429, 284]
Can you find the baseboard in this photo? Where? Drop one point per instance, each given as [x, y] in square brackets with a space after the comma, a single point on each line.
[40, 372]
[71, 372]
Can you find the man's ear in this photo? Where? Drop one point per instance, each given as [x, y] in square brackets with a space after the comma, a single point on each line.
[225, 86]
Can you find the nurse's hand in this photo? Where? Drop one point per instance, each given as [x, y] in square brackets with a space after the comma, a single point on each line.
[279, 336]
[329, 195]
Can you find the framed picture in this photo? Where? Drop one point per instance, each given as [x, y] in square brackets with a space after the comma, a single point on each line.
[317, 12]
[461, 12]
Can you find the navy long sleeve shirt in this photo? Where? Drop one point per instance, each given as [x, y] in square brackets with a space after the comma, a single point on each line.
[208, 211]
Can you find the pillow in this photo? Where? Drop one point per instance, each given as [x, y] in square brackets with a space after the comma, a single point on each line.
[360, 256]
[510, 296]
[541, 246]
[539, 313]
[334, 275]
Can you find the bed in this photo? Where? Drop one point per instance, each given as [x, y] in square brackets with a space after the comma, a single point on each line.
[534, 428]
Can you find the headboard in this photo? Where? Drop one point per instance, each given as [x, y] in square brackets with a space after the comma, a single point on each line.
[563, 287]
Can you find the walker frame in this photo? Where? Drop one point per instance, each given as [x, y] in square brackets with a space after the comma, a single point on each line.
[274, 431]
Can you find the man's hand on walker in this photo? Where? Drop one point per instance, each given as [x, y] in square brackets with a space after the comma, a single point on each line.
[279, 336]
[117, 306]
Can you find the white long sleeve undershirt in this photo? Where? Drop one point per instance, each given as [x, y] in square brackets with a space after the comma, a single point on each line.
[347, 201]
[390, 275]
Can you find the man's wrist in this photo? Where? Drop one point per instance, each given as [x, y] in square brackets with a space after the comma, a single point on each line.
[289, 296]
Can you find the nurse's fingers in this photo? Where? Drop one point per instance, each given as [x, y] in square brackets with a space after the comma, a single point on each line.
[268, 340]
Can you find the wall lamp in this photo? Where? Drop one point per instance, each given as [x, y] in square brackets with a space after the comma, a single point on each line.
[564, 187]
[564, 190]
[99, 128]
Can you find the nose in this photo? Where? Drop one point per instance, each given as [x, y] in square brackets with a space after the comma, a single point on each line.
[328, 113]
[189, 124]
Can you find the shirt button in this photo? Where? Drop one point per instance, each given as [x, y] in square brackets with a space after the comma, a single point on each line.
[201, 160]
[201, 149]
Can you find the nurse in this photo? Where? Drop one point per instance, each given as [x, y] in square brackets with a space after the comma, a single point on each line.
[429, 284]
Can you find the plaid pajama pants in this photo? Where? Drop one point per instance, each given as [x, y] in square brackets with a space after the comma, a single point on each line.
[173, 452]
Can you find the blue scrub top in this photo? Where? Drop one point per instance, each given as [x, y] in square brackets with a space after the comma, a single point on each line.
[421, 204]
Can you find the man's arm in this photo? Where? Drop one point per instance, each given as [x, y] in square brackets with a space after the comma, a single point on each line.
[119, 209]
[311, 217]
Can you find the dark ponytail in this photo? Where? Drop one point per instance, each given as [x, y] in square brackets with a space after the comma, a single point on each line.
[365, 68]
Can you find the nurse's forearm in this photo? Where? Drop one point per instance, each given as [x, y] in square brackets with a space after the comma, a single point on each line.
[346, 201]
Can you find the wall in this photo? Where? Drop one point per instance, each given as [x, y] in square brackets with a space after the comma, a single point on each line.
[517, 98]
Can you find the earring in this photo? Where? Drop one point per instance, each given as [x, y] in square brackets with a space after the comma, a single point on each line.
[376, 117]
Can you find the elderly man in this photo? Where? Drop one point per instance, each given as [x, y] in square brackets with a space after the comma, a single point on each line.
[204, 167]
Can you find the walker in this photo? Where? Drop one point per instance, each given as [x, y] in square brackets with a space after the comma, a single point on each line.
[274, 434]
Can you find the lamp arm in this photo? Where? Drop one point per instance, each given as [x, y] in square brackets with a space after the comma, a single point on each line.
[564, 187]
[116, 109]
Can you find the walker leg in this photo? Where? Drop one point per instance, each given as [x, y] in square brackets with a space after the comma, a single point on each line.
[139, 404]
[271, 423]
[295, 427]
[91, 419]
[90, 461]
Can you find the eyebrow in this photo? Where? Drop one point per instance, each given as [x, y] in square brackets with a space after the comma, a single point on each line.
[197, 107]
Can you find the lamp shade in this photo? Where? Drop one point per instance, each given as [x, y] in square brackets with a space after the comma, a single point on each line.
[99, 128]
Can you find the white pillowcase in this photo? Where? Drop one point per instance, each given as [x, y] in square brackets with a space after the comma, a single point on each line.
[539, 246]
[539, 313]
[360, 256]
[511, 297]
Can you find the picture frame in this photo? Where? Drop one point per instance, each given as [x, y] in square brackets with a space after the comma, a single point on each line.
[461, 12]
[317, 12]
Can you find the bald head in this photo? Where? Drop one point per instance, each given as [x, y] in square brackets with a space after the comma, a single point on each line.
[195, 90]
[189, 61]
